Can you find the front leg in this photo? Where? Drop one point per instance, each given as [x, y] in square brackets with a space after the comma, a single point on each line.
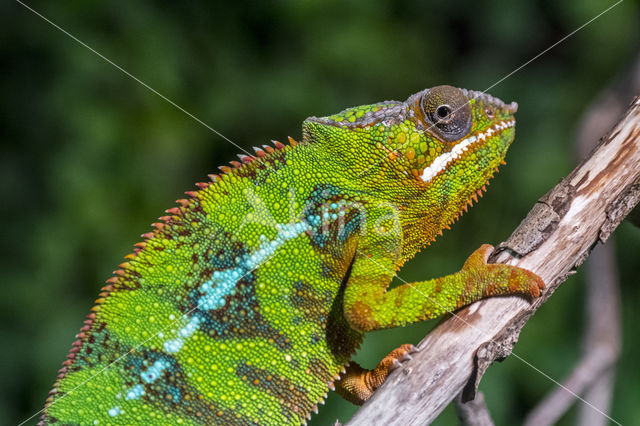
[369, 306]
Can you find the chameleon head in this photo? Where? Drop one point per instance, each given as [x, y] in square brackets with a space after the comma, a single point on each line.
[454, 134]
[432, 154]
[438, 133]
[452, 141]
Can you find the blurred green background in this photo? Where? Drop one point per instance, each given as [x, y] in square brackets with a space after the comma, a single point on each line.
[89, 158]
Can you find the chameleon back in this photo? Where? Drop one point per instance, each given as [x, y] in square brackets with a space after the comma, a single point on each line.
[228, 313]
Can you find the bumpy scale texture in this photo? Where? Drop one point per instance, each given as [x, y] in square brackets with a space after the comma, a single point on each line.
[246, 302]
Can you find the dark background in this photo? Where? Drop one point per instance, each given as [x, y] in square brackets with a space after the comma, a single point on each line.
[89, 158]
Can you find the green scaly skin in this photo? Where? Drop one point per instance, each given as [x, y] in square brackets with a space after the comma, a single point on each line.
[248, 300]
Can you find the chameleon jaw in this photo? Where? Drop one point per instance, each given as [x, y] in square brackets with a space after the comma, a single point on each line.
[441, 162]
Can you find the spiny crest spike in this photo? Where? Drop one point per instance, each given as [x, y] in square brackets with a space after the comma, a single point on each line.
[214, 177]
[235, 164]
[142, 244]
[246, 158]
[268, 148]
[292, 141]
[173, 210]
[259, 151]
[277, 144]
[225, 169]
[202, 185]
[183, 202]
[131, 256]
[165, 218]
[192, 194]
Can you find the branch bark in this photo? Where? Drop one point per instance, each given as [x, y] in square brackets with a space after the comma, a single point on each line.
[601, 348]
[593, 376]
[553, 240]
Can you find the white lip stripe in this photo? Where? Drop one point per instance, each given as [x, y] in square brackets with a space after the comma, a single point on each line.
[443, 160]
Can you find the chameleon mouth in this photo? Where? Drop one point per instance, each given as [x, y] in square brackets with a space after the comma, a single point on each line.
[441, 162]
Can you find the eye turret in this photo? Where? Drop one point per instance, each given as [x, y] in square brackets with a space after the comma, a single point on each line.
[447, 112]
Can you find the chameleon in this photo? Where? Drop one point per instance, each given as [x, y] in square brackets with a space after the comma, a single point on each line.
[248, 299]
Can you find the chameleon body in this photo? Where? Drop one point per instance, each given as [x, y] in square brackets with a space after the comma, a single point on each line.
[247, 301]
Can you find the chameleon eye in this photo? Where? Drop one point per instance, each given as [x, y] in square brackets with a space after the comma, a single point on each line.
[448, 112]
[443, 112]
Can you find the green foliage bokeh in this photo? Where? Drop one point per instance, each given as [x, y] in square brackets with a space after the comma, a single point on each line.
[89, 158]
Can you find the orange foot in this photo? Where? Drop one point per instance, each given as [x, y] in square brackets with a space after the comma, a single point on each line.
[506, 279]
[357, 384]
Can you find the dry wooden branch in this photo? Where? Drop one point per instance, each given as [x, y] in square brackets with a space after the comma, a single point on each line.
[593, 375]
[601, 346]
[554, 239]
